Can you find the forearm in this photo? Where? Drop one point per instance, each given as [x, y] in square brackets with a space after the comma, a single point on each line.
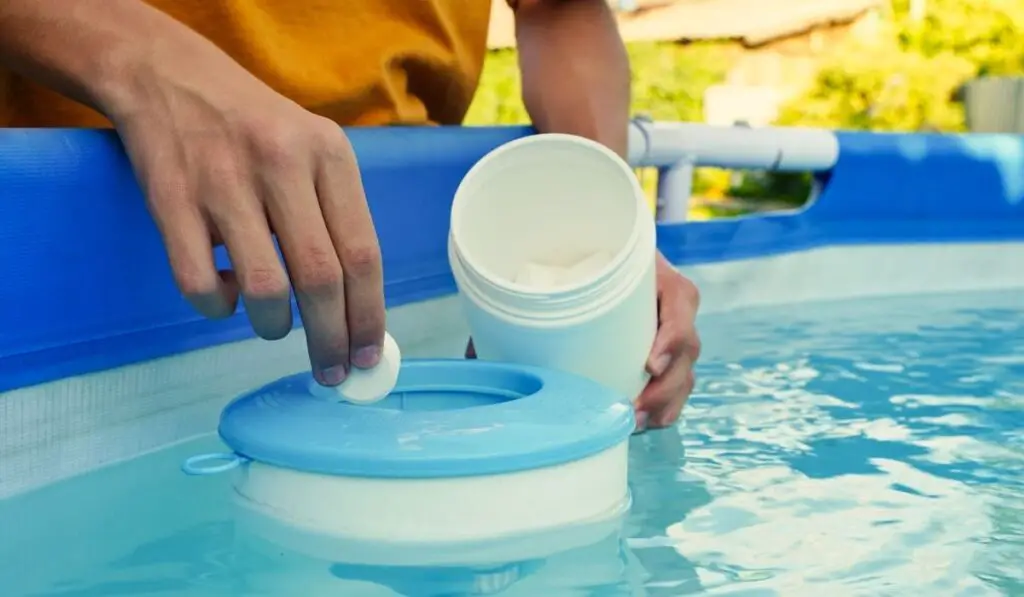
[94, 51]
[575, 69]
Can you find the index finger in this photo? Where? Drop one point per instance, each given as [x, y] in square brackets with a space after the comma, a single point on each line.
[343, 203]
[315, 272]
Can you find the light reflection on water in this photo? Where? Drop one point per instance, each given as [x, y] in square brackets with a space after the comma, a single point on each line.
[867, 448]
[870, 448]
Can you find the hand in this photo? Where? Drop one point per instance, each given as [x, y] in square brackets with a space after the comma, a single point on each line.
[676, 348]
[222, 158]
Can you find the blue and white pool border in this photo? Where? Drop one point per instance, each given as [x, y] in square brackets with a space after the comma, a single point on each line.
[898, 215]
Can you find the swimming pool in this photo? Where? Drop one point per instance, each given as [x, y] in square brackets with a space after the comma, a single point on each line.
[854, 431]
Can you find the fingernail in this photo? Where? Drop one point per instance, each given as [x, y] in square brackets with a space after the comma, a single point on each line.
[366, 357]
[660, 364]
[333, 376]
[641, 422]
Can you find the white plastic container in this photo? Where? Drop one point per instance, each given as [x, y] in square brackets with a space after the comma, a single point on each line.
[552, 246]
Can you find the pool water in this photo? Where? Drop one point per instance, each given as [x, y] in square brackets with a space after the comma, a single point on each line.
[871, 448]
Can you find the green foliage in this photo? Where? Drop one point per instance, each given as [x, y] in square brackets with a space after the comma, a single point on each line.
[498, 97]
[789, 188]
[981, 31]
[883, 88]
[906, 81]
[669, 80]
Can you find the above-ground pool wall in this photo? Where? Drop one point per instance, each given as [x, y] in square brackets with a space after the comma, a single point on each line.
[885, 188]
[955, 204]
[87, 284]
[102, 359]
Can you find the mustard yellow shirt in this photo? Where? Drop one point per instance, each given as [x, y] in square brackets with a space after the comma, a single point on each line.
[357, 62]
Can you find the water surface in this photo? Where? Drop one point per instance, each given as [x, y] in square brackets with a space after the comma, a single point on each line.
[868, 448]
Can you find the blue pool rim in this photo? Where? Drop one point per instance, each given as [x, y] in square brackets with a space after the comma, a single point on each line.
[532, 418]
[87, 288]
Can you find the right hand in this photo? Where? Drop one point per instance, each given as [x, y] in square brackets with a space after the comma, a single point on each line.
[222, 158]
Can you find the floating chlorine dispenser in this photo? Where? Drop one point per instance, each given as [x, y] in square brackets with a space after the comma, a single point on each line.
[458, 451]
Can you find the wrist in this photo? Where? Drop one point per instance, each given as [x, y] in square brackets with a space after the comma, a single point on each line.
[129, 76]
[93, 51]
[133, 71]
[118, 74]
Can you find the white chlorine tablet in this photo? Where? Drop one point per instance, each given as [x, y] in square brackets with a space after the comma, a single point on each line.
[549, 277]
[366, 386]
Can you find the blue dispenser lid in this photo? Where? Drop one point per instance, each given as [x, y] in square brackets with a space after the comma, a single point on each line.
[445, 418]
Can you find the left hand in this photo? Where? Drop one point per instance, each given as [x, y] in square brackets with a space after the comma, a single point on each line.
[676, 348]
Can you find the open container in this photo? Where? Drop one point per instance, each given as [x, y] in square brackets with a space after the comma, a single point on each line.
[552, 246]
[460, 451]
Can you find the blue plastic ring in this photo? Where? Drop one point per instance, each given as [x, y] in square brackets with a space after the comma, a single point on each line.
[211, 464]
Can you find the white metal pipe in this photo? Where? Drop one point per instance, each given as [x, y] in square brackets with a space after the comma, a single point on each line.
[675, 186]
[662, 144]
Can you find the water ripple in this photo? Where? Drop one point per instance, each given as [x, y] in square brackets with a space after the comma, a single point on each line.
[869, 448]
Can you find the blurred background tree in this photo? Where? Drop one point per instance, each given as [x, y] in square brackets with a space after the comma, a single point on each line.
[987, 33]
[883, 88]
[908, 81]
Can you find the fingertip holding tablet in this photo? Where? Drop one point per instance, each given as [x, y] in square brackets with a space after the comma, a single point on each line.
[366, 386]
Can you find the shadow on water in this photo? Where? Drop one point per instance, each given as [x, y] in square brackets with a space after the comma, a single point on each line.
[663, 495]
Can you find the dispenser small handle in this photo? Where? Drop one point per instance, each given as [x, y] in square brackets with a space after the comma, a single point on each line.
[213, 463]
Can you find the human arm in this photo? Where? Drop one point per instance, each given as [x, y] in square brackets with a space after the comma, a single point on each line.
[221, 158]
[576, 80]
[575, 69]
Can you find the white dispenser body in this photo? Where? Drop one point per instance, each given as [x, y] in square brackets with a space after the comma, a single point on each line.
[438, 511]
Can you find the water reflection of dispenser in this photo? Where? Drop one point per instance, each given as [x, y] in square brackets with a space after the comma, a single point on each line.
[281, 561]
